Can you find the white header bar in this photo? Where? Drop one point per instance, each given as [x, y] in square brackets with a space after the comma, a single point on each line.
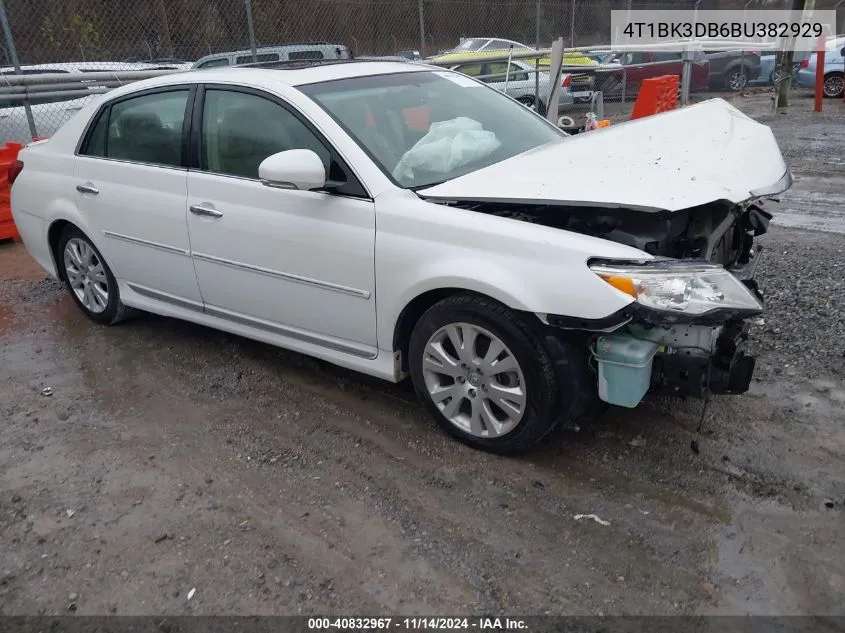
[675, 29]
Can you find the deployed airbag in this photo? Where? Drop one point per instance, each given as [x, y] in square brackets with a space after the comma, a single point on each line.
[447, 146]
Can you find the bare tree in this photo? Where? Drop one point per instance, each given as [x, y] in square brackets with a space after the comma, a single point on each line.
[798, 8]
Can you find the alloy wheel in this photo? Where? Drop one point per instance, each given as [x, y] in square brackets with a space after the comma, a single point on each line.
[834, 85]
[86, 275]
[474, 380]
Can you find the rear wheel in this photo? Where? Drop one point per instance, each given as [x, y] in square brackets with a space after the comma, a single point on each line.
[89, 279]
[484, 375]
[834, 85]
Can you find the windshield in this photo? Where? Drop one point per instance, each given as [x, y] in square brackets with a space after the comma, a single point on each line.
[424, 128]
[470, 44]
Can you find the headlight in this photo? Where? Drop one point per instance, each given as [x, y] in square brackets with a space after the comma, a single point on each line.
[676, 286]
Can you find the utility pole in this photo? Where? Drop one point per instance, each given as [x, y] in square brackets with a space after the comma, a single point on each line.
[799, 7]
[421, 10]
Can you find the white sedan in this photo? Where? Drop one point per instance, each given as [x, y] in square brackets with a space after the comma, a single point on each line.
[402, 220]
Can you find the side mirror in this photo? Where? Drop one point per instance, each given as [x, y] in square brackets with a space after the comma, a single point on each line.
[842, 52]
[293, 169]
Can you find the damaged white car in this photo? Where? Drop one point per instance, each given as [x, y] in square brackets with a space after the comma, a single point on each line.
[401, 220]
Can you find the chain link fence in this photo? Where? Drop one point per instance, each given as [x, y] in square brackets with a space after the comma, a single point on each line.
[85, 35]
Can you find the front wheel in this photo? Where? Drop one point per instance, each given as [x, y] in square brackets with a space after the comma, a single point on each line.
[737, 79]
[483, 374]
[834, 85]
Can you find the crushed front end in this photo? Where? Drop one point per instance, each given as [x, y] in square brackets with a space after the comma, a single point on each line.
[694, 305]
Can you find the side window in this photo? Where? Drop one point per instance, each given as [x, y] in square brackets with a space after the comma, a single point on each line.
[631, 57]
[95, 144]
[473, 70]
[211, 63]
[240, 130]
[264, 57]
[299, 55]
[665, 56]
[500, 68]
[144, 129]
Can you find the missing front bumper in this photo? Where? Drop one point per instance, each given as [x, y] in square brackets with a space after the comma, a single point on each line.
[681, 360]
[693, 372]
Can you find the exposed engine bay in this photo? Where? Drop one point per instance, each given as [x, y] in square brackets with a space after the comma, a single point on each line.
[686, 359]
[718, 232]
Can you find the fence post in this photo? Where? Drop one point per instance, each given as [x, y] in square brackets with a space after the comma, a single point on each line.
[537, 28]
[13, 53]
[422, 28]
[686, 74]
[251, 28]
[572, 24]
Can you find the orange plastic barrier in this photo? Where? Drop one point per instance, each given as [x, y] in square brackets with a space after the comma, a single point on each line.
[657, 94]
[8, 154]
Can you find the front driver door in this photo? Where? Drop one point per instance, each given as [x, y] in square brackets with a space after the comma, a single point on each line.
[297, 263]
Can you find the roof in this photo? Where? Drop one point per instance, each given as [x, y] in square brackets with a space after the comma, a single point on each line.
[297, 76]
[272, 47]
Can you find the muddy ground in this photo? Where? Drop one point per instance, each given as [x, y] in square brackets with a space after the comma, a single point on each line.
[175, 469]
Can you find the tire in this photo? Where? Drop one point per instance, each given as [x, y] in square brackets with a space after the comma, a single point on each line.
[547, 396]
[834, 85]
[85, 271]
[736, 78]
[528, 101]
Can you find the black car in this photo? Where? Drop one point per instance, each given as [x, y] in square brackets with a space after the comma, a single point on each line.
[732, 70]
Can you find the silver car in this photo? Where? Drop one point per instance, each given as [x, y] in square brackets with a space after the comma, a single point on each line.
[518, 80]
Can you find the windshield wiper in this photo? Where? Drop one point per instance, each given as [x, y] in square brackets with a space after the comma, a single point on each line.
[427, 186]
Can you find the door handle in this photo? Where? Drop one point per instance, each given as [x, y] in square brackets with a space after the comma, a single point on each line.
[87, 189]
[205, 211]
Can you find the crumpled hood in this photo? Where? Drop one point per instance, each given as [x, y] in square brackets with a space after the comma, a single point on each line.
[680, 159]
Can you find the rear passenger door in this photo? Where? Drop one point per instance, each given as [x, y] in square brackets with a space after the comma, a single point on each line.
[131, 188]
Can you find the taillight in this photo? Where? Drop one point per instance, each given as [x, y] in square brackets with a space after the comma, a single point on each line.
[14, 171]
[805, 63]
[567, 81]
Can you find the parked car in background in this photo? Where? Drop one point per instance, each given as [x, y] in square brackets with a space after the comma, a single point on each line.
[411, 55]
[732, 70]
[280, 53]
[834, 69]
[634, 66]
[406, 221]
[520, 82]
[50, 113]
[156, 60]
[471, 47]
[770, 71]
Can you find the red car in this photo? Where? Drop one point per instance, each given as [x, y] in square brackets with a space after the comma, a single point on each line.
[638, 65]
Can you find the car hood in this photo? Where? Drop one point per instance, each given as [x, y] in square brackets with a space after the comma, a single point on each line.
[679, 159]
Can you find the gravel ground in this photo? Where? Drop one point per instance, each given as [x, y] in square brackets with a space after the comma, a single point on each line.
[174, 469]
